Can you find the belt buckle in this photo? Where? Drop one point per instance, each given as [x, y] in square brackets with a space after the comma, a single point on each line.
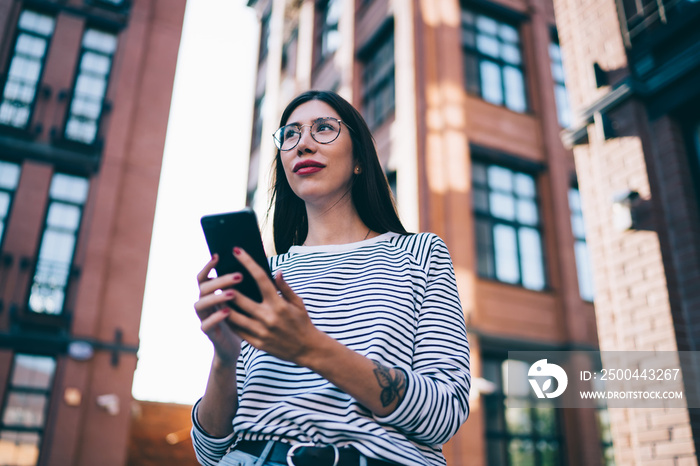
[290, 452]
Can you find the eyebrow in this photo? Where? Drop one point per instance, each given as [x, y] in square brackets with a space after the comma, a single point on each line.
[312, 121]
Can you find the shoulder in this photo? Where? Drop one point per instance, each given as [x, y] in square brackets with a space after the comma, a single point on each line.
[424, 247]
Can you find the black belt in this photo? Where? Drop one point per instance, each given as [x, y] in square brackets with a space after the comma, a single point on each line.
[307, 455]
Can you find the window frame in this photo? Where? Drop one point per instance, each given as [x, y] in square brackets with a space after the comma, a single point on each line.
[384, 37]
[103, 102]
[48, 39]
[516, 166]
[505, 17]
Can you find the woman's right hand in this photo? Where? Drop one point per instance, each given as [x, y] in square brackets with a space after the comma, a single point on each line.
[213, 309]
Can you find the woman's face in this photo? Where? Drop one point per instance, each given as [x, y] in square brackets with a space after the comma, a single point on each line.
[318, 173]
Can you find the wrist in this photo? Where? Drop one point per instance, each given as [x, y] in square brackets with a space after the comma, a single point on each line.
[224, 364]
[314, 355]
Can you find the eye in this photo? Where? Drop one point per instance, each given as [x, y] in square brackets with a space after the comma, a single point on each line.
[290, 132]
[326, 125]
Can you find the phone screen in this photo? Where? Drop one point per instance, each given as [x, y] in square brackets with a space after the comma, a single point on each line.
[240, 229]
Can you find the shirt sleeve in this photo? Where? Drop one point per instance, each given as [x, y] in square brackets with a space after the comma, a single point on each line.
[208, 449]
[436, 401]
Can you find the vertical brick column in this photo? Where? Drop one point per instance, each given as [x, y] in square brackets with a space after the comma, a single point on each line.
[636, 294]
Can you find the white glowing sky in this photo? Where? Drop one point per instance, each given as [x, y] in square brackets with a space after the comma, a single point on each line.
[204, 171]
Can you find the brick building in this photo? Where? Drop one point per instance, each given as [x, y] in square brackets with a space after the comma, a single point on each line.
[86, 88]
[466, 101]
[633, 71]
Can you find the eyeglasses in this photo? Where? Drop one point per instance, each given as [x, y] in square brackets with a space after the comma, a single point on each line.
[323, 130]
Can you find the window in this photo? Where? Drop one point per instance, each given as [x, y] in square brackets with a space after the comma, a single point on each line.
[25, 409]
[520, 429]
[560, 94]
[67, 196]
[606, 440]
[509, 243]
[257, 121]
[493, 61]
[90, 88]
[583, 263]
[9, 178]
[329, 36]
[378, 86]
[264, 36]
[34, 31]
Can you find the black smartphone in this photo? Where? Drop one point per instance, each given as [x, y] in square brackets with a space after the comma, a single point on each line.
[240, 229]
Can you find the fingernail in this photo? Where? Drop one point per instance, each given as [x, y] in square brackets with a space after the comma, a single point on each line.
[230, 293]
[236, 250]
[226, 310]
[236, 276]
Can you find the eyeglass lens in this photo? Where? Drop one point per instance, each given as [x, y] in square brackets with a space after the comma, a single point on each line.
[323, 130]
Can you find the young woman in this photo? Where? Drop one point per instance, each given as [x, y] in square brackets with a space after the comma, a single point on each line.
[358, 353]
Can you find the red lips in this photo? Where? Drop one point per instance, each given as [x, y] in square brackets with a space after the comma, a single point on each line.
[304, 167]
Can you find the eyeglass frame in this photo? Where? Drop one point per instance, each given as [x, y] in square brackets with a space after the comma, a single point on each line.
[301, 127]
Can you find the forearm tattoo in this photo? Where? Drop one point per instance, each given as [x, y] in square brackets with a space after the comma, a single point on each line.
[392, 387]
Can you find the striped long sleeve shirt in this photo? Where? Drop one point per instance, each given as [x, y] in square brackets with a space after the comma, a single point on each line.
[393, 299]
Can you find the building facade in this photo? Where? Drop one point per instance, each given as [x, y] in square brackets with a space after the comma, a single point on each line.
[466, 101]
[635, 69]
[86, 88]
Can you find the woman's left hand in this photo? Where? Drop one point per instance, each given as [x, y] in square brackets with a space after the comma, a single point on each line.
[279, 325]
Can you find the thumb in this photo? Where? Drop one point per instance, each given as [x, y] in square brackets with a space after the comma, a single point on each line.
[287, 291]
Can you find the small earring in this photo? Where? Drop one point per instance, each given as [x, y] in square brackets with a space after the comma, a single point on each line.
[358, 170]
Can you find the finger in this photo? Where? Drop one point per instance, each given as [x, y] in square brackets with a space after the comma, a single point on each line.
[203, 274]
[287, 291]
[207, 304]
[247, 326]
[210, 323]
[219, 283]
[267, 289]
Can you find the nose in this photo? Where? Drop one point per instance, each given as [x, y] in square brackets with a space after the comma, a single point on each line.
[306, 141]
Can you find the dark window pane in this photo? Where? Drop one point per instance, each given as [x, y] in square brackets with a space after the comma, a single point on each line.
[378, 83]
[481, 200]
[548, 453]
[485, 249]
[521, 452]
[478, 173]
[496, 454]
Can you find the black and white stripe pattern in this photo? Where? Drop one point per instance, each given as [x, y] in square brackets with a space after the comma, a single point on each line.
[393, 299]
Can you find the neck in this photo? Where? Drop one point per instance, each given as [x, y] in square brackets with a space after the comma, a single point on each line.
[337, 224]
